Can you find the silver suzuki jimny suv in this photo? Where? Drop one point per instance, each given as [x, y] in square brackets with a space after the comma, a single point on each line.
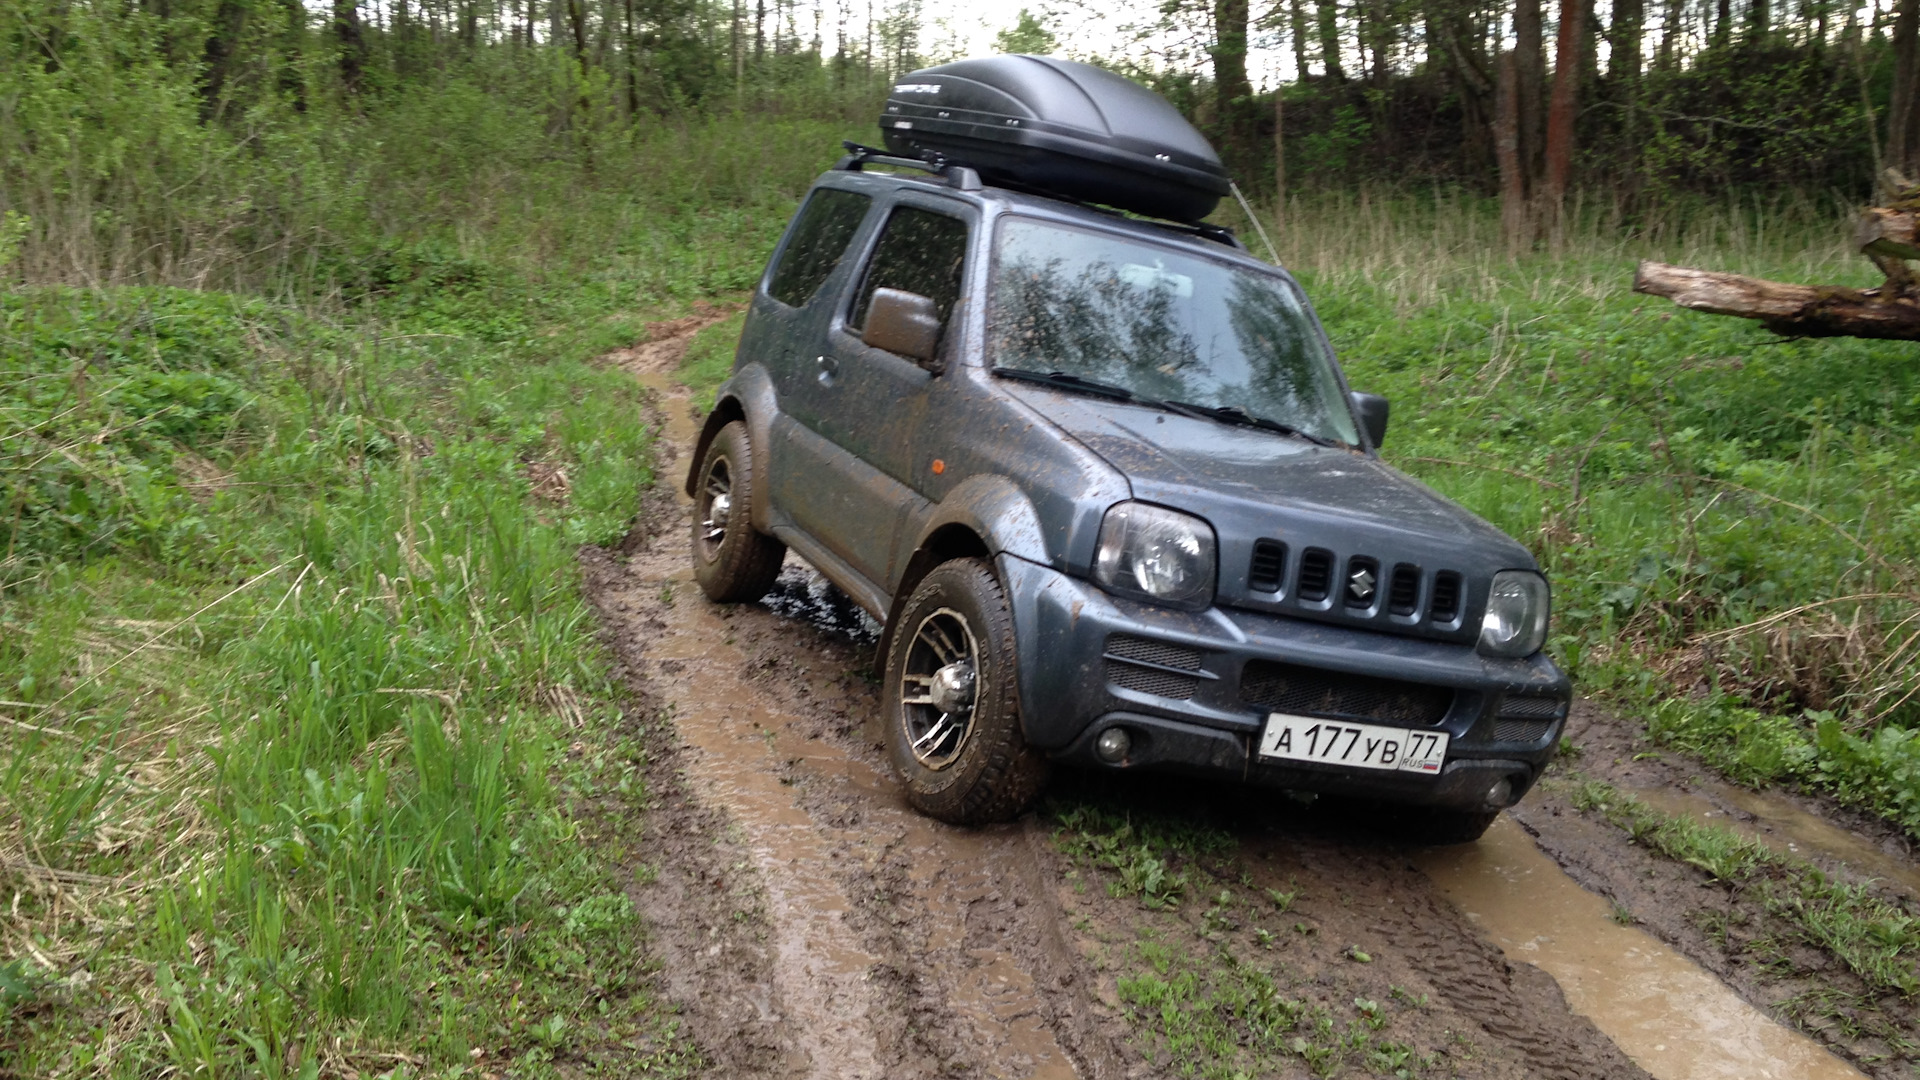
[1101, 480]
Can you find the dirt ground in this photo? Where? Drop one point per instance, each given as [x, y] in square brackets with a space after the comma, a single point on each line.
[808, 924]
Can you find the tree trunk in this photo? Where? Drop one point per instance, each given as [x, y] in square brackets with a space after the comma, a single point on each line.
[1623, 41]
[1298, 14]
[229, 23]
[1279, 156]
[1670, 35]
[1560, 117]
[1378, 36]
[1329, 17]
[1758, 20]
[1515, 218]
[1722, 22]
[577, 15]
[1789, 310]
[1530, 83]
[1233, 105]
[353, 44]
[1903, 117]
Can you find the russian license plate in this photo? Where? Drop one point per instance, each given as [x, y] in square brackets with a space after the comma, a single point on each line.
[1357, 746]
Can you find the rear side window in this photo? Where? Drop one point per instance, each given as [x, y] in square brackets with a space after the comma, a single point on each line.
[826, 225]
[920, 252]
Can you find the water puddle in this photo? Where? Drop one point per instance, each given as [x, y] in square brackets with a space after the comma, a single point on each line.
[745, 753]
[1673, 1018]
[1782, 826]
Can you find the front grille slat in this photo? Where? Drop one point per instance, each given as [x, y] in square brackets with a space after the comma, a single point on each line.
[1316, 575]
[1269, 566]
[1303, 691]
[1403, 596]
[1446, 597]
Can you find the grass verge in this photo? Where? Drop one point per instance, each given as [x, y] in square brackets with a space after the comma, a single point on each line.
[305, 735]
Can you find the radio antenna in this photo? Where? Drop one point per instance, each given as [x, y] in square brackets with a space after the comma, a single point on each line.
[1272, 255]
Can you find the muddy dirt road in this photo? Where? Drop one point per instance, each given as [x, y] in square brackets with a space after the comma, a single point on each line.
[810, 925]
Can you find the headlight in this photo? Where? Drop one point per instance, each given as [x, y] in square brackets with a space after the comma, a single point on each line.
[1516, 620]
[1156, 554]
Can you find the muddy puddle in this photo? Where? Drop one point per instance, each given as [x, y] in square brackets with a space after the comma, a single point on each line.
[747, 696]
[1673, 1018]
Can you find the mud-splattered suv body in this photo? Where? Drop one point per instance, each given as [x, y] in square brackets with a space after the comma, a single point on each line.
[1343, 593]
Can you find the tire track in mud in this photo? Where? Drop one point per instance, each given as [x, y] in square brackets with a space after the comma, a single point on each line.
[894, 945]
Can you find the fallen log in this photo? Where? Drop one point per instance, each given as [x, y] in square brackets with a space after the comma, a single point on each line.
[1888, 232]
[1786, 309]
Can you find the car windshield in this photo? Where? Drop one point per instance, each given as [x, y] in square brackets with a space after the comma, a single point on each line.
[1163, 324]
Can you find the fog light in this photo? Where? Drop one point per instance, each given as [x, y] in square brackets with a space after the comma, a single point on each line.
[1113, 744]
[1500, 794]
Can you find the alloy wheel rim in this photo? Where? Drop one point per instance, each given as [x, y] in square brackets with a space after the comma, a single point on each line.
[716, 507]
[939, 688]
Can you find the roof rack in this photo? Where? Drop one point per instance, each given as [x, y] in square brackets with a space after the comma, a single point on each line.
[966, 179]
[956, 176]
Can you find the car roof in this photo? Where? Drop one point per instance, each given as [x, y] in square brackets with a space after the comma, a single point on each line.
[1040, 206]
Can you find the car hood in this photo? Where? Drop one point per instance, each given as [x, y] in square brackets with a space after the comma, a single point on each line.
[1195, 464]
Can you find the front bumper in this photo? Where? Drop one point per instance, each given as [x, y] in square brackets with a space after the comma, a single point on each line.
[1193, 690]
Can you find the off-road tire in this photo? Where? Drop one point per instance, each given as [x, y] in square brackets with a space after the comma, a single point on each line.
[996, 775]
[1437, 827]
[740, 566]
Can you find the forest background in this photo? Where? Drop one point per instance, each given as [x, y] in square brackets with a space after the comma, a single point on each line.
[309, 760]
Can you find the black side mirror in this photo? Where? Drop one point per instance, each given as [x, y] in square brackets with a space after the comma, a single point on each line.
[904, 323]
[1371, 409]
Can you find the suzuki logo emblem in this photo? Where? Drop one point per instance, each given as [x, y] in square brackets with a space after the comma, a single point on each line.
[1361, 583]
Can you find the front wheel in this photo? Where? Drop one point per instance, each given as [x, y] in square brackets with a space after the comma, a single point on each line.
[732, 562]
[952, 700]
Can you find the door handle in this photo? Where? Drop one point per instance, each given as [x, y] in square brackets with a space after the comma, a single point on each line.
[829, 367]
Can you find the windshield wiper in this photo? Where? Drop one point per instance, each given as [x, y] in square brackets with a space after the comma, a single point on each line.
[1234, 414]
[1068, 381]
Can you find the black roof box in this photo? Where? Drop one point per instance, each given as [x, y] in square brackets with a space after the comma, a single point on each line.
[1059, 127]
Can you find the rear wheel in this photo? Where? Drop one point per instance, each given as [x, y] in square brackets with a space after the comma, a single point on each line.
[732, 562]
[952, 720]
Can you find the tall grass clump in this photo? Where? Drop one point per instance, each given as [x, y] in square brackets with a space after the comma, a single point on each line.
[1729, 517]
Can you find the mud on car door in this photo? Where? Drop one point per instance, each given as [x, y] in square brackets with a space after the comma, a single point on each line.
[844, 470]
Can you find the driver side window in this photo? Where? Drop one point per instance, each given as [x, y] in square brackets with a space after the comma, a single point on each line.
[920, 252]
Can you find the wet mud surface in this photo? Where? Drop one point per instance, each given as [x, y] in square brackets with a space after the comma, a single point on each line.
[1724, 929]
[809, 924]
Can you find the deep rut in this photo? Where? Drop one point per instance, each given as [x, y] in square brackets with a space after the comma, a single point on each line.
[893, 945]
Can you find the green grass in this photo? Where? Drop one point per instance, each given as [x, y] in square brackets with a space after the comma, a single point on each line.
[709, 358]
[1873, 937]
[294, 651]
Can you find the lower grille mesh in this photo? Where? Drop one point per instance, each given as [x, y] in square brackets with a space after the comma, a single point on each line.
[1532, 708]
[1146, 650]
[1311, 692]
[1151, 680]
[1520, 731]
